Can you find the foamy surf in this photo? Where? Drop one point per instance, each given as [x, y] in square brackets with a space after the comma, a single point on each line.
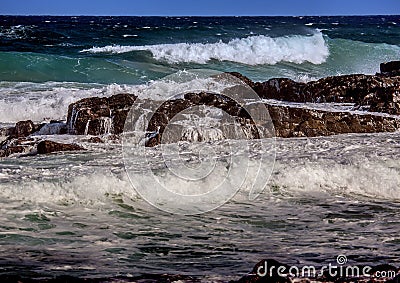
[50, 100]
[253, 50]
[356, 166]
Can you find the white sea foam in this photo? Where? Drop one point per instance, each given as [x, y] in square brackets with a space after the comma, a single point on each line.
[371, 179]
[89, 189]
[41, 101]
[253, 50]
[50, 100]
[353, 166]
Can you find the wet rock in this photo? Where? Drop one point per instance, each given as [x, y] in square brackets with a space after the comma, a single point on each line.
[24, 128]
[21, 129]
[6, 132]
[171, 108]
[12, 146]
[385, 101]
[32, 146]
[97, 116]
[52, 128]
[288, 121]
[47, 146]
[243, 78]
[12, 150]
[362, 90]
[390, 66]
[303, 122]
[378, 93]
[95, 140]
[281, 89]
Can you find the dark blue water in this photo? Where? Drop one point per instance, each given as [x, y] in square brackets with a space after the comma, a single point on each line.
[78, 215]
[44, 48]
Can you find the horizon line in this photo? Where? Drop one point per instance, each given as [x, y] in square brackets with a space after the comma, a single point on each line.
[188, 15]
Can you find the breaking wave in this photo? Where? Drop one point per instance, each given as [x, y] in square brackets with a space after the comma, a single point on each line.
[253, 50]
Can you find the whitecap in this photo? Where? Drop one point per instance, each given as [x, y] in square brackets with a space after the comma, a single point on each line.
[252, 50]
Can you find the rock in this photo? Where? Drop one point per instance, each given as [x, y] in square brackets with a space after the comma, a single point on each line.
[281, 89]
[379, 94]
[24, 128]
[339, 89]
[6, 132]
[289, 121]
[95, 140]
[52, 128]
[358, 89]
[47, 146]
[16, 145]
[21, 129]
[243, 78]
[390, 66]
[303, 122]
[12, 150]
[98, 116]
[385, 101]
[27, 146]
[170, 108]
[384, 268]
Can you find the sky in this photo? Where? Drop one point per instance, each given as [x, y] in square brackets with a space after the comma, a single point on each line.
[199, 7]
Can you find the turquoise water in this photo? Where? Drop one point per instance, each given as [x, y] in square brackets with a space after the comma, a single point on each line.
[77, 214]
[134, 50]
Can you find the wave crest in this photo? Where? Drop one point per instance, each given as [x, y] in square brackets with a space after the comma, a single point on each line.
[254, 50]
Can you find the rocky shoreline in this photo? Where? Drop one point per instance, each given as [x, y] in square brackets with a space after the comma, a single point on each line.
[373, 105]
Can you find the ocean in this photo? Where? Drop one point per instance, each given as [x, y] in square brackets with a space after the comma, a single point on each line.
[77, 214]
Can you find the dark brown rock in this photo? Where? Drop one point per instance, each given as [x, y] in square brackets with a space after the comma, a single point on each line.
[5, 132]
[12, 150]
[243, 78]
[47, 146]
[378, 93]
[390, 66]
[282, 89]
[357, 89]
[170, 108]
[24, 128]
[288, 121]
[303, 122]
[95, 140]
[16, 145]
[97, 116]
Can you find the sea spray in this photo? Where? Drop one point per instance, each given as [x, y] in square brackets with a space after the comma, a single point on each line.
[253, 50]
